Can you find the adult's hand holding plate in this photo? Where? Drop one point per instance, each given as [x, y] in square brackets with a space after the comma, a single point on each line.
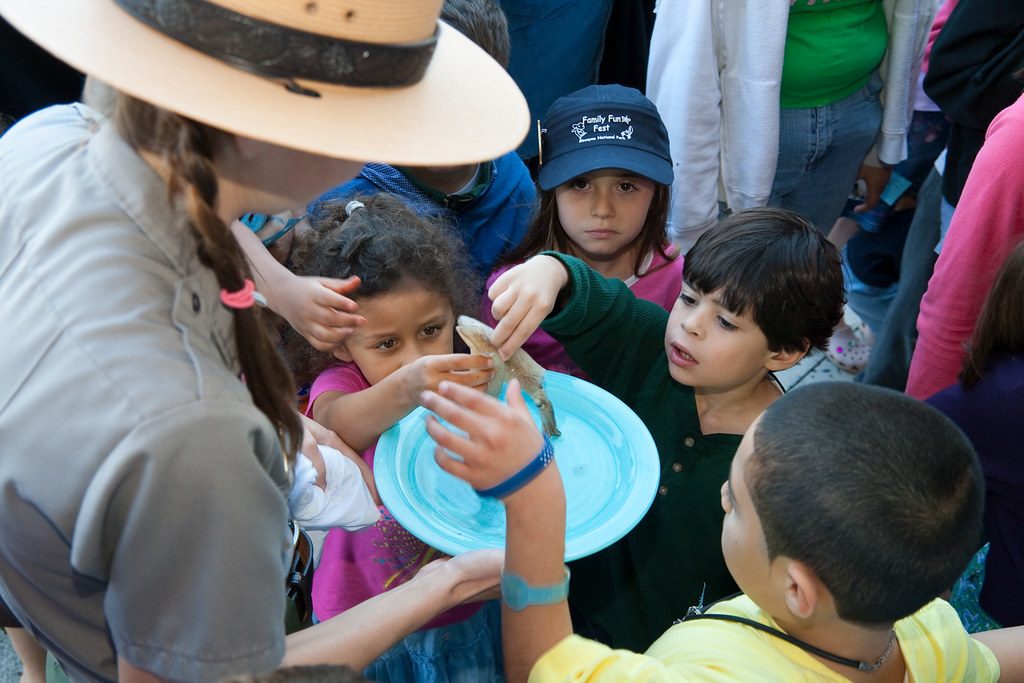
[606, 457]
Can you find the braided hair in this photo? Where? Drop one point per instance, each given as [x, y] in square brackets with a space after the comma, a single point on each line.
[187, 148]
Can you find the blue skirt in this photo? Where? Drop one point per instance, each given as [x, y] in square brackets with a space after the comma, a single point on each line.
[465, 652]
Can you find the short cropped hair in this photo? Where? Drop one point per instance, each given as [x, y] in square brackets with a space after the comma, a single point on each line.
[483, 22]
[776, 267]
[879, 494]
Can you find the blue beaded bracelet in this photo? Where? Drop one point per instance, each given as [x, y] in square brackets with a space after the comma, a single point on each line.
[523, 476]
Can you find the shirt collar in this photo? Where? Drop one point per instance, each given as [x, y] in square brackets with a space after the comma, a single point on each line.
[142, 194]
[455, 202]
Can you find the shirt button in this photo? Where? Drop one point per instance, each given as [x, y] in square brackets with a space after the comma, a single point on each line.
[688, 442]
[663, 490]
[677, 467]
[195, 303]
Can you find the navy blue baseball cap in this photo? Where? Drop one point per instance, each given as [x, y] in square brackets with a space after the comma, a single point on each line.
[603, 126]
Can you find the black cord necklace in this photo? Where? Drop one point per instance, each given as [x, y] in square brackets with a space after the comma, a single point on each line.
[699, 613]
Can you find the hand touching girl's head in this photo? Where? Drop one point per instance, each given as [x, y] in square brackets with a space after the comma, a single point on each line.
[604, 175]
[413, 271]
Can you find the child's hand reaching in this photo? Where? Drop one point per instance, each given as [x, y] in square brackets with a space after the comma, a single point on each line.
[316, 307]
[427, 372]
[500, 439]
[522, 297]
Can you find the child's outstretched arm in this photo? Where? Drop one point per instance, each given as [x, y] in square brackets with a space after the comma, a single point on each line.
[360, 418]
[522, 297]
[502, 440]
[1008, 646]
[314, 306]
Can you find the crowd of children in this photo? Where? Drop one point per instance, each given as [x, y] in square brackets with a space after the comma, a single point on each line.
[808, 535]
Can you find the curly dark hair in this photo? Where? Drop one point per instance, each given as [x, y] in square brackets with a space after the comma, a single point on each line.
[385, 244]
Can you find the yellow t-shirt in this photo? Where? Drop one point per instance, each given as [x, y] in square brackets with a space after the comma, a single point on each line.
[935, 648]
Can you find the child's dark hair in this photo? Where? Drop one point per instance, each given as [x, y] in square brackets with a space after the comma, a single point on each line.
[483, 22]
[547, 234]
[385, 243]
[879, 494]
[1000, 326]
[775, 266]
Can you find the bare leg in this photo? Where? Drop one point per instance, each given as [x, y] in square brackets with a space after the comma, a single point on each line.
[33, 657]
[842, 231]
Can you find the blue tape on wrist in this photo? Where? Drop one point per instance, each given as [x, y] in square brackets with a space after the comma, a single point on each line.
[519, 595]
[523, 476]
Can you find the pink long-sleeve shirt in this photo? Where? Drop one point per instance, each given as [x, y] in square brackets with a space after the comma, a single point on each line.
[987, 225]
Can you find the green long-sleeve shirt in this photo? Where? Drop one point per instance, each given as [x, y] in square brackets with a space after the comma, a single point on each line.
[637, 587]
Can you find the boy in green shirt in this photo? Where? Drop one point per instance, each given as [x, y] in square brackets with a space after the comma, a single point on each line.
[760, 290]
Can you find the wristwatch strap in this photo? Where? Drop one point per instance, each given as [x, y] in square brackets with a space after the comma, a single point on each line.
[519, 595]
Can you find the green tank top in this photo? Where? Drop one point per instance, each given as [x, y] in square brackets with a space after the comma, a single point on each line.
[832, 46]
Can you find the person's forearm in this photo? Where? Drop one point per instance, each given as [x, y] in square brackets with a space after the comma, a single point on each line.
[362, 633]
[360, 418]
[266, 270]
[535, 552]
[1008, 646]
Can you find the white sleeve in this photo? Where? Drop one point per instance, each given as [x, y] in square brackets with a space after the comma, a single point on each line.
[683, 82]
[714, 72]
[753, 46]
[345, 503]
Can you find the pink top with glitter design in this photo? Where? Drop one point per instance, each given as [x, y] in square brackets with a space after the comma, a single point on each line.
[355, 566]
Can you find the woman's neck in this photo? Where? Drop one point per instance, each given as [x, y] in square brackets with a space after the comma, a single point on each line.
[230, 202]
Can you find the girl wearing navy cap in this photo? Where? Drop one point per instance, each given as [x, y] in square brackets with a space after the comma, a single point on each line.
[604, 177]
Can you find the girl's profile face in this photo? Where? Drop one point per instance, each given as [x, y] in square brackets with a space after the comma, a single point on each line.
[402, 325]
[603, 212]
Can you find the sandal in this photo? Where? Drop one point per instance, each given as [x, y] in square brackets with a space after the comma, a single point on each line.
[846, 351]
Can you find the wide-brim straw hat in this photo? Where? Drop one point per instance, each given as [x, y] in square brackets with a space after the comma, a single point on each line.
[333, 77]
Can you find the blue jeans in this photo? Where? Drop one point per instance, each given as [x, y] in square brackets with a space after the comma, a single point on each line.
[820, 152]
[869, 302]
[894, 346]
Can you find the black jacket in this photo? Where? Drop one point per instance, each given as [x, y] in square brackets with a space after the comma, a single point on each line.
[972, 77]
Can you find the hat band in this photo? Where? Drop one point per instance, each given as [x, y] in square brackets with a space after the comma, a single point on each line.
[276, 51]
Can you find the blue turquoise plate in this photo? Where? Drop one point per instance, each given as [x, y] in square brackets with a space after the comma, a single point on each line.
[606, 456]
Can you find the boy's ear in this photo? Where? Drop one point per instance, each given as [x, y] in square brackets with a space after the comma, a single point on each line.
[783, 360]
[803, 589]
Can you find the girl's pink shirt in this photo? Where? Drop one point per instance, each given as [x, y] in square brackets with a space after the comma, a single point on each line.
[355, 566]
[987, 224]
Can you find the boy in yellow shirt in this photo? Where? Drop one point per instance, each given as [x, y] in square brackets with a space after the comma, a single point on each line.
[848, 510]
